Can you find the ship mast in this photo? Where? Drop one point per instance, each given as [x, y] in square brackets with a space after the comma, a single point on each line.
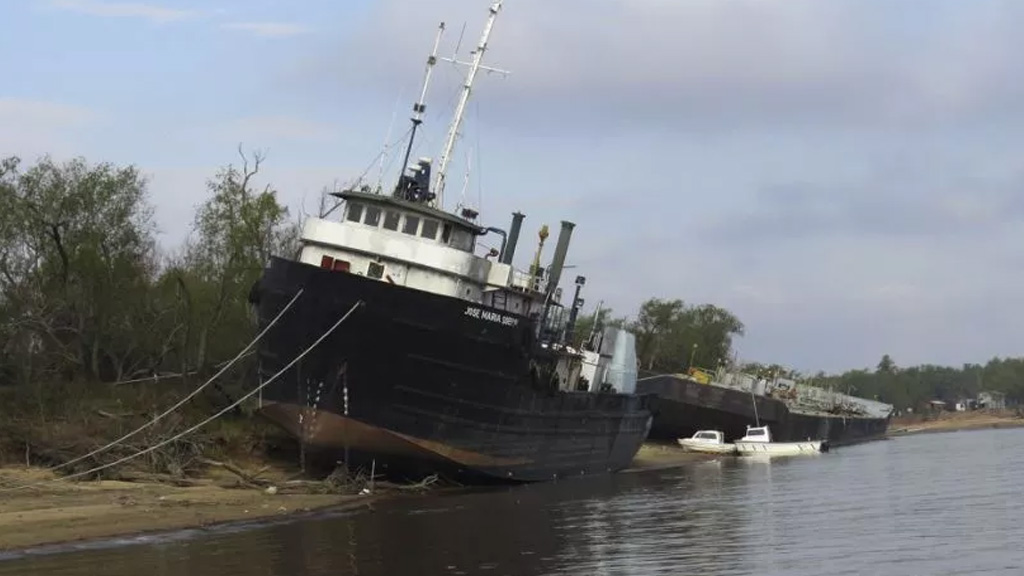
[453, 130]
[420, 106]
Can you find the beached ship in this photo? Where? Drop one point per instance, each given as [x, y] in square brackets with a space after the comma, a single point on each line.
[451, 362]
[731, 401]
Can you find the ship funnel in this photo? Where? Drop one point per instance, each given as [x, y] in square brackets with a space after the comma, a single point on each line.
[513, 238]
[558, 260]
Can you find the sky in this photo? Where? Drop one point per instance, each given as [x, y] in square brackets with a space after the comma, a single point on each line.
[846, 176]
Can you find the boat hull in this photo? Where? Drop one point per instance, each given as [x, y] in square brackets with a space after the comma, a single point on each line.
[706, 448]
[420, 383]
[779, 448]
[683, 406]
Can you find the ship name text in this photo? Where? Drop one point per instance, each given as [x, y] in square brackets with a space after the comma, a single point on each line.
[503, 319]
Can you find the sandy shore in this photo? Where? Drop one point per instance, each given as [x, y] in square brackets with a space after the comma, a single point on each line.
[69, 511]
[60, 512]
[658, 455]
[954, 421]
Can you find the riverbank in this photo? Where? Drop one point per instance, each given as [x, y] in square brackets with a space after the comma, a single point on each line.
[59, 512]
[955, 421]
[66, 511]
[660, 455]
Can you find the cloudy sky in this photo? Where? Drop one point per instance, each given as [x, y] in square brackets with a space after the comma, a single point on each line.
[847, 176]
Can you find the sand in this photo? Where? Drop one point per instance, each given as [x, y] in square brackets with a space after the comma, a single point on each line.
[62, 512]
[658, 455]
[70, 511]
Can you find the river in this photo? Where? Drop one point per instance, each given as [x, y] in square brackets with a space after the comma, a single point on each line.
[918, 505]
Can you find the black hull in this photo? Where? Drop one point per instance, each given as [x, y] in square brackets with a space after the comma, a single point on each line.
[683, 406]
[419, 385]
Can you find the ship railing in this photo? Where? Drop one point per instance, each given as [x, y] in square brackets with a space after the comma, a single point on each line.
[528, 282]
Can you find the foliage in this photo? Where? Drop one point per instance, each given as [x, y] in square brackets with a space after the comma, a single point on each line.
[237, 231]
[672, 336]
[84, 295]
[914, 387]
[77, 260]
[588, 324]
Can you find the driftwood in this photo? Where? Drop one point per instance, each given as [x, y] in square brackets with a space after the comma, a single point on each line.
[250, 480]
[421, 485]
[134, 476]
[113, 416]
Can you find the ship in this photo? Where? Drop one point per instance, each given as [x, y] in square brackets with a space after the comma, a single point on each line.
[448, 362]
[730, 401]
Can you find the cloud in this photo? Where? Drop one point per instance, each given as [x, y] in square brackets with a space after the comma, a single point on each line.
[707, 65]
[268, 29]
[844, 178]
[43, 114]
[929, 204]
[35, 127]
[265, 130]
[151, 12]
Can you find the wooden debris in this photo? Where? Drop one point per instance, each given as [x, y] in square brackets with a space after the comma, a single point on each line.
[250, 480]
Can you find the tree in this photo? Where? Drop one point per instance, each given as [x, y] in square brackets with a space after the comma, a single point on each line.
[886, 365]
[655, 326]
[712, 329]
[594, 322]
[672, 337]
[237, 230]
[77, 255]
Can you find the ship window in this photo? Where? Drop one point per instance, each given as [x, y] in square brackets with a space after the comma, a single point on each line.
[429, 229]
[446, 233]
[410, 225]
[355, 212]
[372, 216]
[461, 240]
[375, 270]
[341, 265]
[391, 219]
[326, 262]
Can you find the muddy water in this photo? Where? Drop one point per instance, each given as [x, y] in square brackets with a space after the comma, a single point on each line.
[920, 505]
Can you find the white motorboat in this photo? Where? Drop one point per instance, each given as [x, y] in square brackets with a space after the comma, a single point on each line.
[708, 442]
[758, 440]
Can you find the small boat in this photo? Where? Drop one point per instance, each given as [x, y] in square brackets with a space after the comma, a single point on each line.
[758, 440]
[708, 442]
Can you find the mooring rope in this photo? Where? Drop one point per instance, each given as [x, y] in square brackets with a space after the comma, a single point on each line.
[204, 422]
[156, 377]
[191, 395]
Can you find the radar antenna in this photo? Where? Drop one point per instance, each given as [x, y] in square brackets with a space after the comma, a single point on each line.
[407, 186]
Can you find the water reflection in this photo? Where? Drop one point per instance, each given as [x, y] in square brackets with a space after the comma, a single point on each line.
[924, 505]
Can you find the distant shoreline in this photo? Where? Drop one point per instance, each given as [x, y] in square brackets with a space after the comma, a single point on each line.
[955, 422]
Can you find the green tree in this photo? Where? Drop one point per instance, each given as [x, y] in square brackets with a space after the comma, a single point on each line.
[656, 326]
[586, 324]
[886, 365]
[672, 337]
[77, 257]
[237, 230]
